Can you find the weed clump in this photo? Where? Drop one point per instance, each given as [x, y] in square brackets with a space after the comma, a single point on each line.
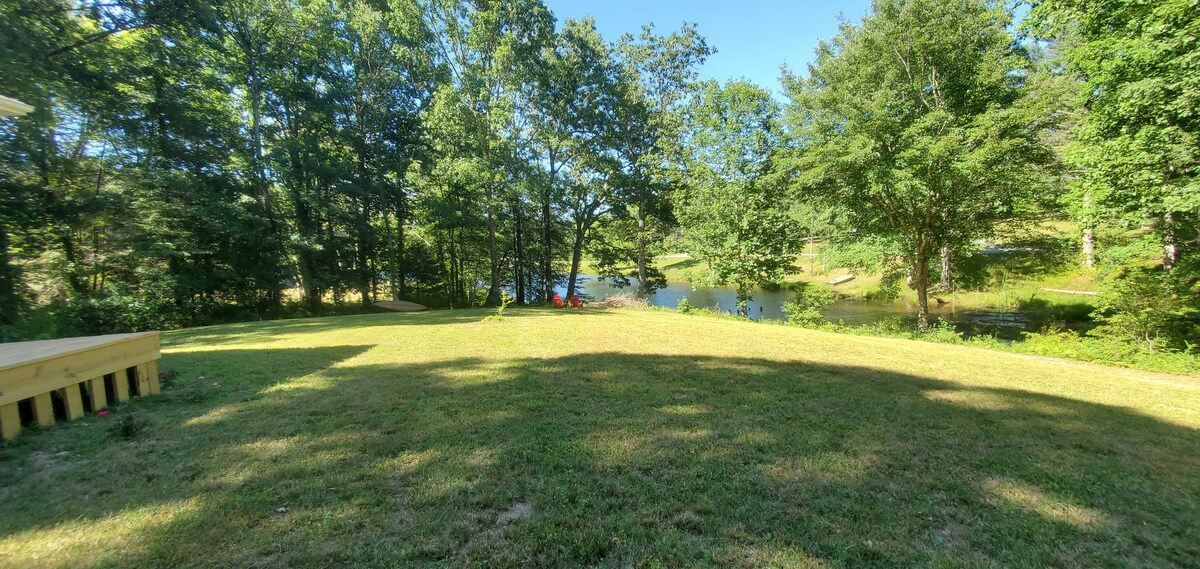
[129, 427]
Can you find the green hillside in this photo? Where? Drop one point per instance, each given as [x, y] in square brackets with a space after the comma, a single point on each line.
[610, 438]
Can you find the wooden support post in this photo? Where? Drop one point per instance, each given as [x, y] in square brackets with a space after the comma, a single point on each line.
[99, 396]
[74, 401]
[152, 373]
[121, 383]
[43, 410]
[143, 380]
[10, 421]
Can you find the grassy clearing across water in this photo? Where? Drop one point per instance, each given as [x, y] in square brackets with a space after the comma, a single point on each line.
[611, 438]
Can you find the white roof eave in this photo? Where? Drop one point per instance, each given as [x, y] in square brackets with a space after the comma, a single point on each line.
[10, 107]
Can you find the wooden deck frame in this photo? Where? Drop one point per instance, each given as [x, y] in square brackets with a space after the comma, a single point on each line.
[77, 369]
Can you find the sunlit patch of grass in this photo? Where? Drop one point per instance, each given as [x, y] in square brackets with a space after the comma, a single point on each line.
[685, 409]
[610, 438]
[100, 541]
[1013, 493]
[986, 401]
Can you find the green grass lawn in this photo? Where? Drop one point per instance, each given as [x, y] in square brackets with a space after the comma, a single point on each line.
[611, 438]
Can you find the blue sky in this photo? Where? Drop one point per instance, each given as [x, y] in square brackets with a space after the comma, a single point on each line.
[753, 38]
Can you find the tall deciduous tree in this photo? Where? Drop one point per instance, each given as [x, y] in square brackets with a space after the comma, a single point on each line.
[736, 216]
[579, 87]
[916, 121]
[483, 47]
[1138, 148]
[661, 71]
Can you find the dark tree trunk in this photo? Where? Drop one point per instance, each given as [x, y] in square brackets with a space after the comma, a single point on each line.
[519, 265]
[77, 285]
[642, 291]
[364, 257]
[493, 294]
[8, 283]
[401, 212]
[921, 281]
[274, 298]
[547, 250]
[576, 256]
[307, 261]
[443, 273]
[584, 216]
[454, 276]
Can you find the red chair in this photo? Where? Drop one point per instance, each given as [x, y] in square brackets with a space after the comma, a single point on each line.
[558, 303]
[575, 302]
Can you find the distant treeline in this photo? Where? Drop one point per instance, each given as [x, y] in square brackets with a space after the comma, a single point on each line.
[189, 162]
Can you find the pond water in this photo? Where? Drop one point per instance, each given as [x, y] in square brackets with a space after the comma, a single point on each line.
[768, 304]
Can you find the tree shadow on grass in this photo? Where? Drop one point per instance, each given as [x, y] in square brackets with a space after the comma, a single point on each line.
[635, 459]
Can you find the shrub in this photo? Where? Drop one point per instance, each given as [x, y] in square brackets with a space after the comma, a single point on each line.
[684, 307]
[128, 427]
[167, 377]
[942, 332]
[1061, 343]
[1151, 309]
[806, 309]
[505, 300]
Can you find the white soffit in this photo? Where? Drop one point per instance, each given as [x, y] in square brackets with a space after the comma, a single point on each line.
[10, 107]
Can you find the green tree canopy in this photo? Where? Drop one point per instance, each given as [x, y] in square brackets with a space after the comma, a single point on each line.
[736, 217]
[915, 122]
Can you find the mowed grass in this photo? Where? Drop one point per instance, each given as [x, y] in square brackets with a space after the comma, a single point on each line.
[612, 439]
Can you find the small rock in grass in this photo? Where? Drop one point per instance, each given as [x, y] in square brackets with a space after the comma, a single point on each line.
[280, 510]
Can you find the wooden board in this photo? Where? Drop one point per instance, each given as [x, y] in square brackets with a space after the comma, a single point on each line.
[43, 410]
[74, 400]
[99, 396]
[400, 306]
[29, 369]
[121, 386]
[10, 421]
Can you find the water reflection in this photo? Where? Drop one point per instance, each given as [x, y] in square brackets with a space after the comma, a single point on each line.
[768, 304]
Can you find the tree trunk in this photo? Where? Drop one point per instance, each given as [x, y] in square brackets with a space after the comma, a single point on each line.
[947, 281]
[519, 265]
[581, 229]
[307, 262]
[642, 292]
[812, 255]
[1170, 243]
[1089, 248]
[547, 250]
[364, 257]
[454, 276]
[401, 285]
[8, 283]
[493, 294]
[921, 281]
[256, 135]
[1089, 233]
[443, 273]
[67, 242]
